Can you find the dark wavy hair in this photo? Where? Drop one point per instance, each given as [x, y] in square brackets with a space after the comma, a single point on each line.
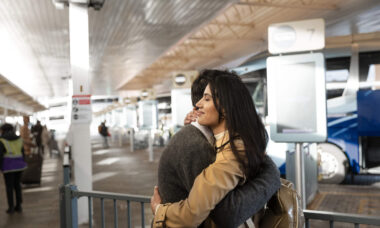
[235, 104]
[198, 87]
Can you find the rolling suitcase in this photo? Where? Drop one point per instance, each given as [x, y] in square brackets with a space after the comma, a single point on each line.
[32, 174]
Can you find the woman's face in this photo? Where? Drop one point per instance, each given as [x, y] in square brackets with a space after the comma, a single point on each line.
[208, 115]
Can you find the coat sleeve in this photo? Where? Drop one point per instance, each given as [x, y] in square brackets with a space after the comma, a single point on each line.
[209, 188]
[246, 200]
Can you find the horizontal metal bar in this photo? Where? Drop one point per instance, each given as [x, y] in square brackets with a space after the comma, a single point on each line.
[108, 195]
[342, 217]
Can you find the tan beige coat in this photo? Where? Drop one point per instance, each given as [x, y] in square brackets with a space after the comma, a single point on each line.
[209, 188]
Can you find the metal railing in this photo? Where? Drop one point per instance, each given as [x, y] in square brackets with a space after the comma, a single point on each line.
[69, 196]
[333, 217]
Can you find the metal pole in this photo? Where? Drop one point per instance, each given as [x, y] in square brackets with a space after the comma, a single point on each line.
[300, 173]
[66, 169]
[74, 207]
[150, 147]
[62, 208]
[120, 137]
[131, 139]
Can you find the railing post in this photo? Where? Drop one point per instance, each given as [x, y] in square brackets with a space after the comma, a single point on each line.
[68, 207]
[66, 204]
[66, 169]
[62, 206]
[74, 207]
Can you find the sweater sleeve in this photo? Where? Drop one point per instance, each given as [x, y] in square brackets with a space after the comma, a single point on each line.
[209, 188]
[246, 200]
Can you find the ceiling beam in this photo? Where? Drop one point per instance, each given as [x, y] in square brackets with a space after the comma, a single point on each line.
[227, 24]
[291, 5]
[223, 39]
[211, 46]
[16, 93]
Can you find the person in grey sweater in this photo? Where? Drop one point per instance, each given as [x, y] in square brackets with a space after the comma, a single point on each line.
[190, 151]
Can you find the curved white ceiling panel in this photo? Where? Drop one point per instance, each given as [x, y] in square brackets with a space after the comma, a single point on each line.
[125, 37]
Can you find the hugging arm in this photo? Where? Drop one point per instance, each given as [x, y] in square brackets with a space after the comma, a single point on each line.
[246, 200]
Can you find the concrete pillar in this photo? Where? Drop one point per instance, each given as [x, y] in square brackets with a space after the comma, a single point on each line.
[377, 77]
[132, 139]
[5, 114]
[80, 118]
[353, 80]
[120, 133]
[150, 145]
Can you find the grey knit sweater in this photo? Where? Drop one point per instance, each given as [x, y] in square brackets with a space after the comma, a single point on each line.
[187, 154]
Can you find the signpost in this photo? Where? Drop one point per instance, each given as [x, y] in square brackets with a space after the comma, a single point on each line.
[296, 88]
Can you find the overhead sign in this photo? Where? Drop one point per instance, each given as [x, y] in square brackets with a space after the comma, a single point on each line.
[297, 98]
[296, 36]
[81, 111]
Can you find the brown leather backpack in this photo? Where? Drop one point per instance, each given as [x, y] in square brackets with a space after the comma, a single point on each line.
[284, 209]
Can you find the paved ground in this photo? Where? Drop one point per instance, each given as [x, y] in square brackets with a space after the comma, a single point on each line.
[122, 171]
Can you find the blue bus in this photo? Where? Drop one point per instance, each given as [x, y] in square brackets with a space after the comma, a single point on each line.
[353, 123]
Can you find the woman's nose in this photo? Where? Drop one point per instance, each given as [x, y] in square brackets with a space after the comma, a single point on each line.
[198, 104]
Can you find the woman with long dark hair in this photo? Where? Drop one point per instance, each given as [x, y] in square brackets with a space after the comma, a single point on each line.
[240, 141]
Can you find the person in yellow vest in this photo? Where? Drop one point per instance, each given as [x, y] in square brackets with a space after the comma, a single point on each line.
[12, 164]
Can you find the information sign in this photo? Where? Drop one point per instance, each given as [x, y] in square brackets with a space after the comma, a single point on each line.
[297, 98]
[296, 36]
[81, 111]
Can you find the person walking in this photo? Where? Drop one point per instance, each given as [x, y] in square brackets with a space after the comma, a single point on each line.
[12, 165]
[45, 138]
[103, 131]
[37, 133]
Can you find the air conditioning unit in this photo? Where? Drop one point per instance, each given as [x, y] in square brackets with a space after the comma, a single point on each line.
[184, 79]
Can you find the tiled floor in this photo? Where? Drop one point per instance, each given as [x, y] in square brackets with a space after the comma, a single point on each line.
[122, 171]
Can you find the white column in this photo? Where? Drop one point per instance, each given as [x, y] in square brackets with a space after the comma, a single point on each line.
[353, 80]
[80, 130]
[5, 114]
[150, 145]
[377, 77]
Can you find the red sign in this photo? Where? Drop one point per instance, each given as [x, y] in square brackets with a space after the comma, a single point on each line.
[84, 101]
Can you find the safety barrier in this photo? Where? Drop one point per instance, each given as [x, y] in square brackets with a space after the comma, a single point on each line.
[332, 217]
[69, 196]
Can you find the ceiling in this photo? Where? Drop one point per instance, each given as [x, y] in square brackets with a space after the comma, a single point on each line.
[14, 101]
[136, 45]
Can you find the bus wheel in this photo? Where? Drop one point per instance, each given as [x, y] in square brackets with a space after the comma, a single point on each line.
[333, 164]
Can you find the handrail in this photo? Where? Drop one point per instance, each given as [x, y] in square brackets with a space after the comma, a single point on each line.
[69, 196]
[340, 217]
[107, 195]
